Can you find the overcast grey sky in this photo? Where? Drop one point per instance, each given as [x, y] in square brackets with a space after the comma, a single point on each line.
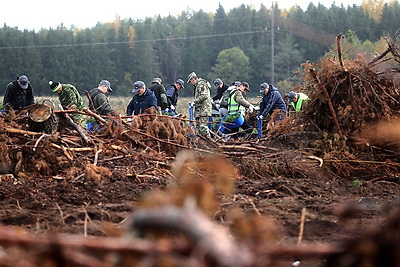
[30, 14]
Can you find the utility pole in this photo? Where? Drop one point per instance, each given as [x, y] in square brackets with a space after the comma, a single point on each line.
[272, 44]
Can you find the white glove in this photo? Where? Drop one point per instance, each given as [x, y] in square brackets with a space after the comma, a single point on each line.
[172, 107]
[251, 108]
[129, 119]
[260, 117]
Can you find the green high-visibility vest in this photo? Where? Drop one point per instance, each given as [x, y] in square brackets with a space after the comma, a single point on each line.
[233, 106]
[299, 104]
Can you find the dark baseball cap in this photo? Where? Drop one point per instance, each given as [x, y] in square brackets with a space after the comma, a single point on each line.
[23, 81]
[291, 95]
[217, 82]
[137, 85]
[106, 83]
[263, 86]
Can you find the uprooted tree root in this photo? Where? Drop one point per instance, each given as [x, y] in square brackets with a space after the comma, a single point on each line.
[354, 108]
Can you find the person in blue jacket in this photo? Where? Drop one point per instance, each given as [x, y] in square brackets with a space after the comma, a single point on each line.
[142, 99]
[271, 100]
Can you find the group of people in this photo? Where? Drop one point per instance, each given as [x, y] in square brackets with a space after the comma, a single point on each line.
[163, 99]
[19, 95]
[230, 99]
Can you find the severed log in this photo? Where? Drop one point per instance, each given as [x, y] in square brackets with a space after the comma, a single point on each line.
[278, 251]
[75, 149]
[19, 131]
[100, 246]
[15, 237]
[209, 238]
[238, 147]
[91, 104]
[76, 126]
[333, 113]
[95, 115]
[339, 49]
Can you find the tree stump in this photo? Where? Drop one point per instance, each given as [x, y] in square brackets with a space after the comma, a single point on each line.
[42, 119]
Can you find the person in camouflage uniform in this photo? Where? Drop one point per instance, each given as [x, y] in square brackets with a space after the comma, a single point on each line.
[202, 102]
[101, 105]
[69, 98]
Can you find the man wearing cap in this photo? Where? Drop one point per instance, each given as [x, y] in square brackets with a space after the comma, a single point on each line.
[18, 94]
[296, 100]
[237, 103]
[224, 101]
[172, 93]
[271, 100]
[69, 98]
[202, 102]
[159, 91]
[221, 88]
[246, 87]
[142, 100]
[98, 97]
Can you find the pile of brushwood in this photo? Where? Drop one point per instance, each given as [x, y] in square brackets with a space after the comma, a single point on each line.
[350, 127]
[354, 109]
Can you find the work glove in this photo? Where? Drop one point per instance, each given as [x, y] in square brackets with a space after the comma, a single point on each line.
[172, 107]
[251, 108]
[260, 117]
[129, 119]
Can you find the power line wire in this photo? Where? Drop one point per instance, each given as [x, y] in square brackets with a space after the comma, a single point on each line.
[135, 41]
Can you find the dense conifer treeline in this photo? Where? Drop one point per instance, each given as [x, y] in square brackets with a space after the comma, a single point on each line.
[170, 47]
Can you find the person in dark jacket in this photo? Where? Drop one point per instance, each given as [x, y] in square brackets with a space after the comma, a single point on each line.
[98, 96]
[143, 99]
[172, 93]
[159, 91]
[221, 88]
[18, 94]
[271, 100]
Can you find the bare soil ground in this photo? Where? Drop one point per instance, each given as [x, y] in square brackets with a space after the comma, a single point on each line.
[54, 204]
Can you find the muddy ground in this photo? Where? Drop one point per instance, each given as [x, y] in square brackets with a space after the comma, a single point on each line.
[337, 209]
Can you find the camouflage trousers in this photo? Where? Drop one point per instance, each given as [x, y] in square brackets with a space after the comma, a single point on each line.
[202, 126]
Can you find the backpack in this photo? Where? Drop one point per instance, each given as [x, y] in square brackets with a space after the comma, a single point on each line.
[224, 102]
